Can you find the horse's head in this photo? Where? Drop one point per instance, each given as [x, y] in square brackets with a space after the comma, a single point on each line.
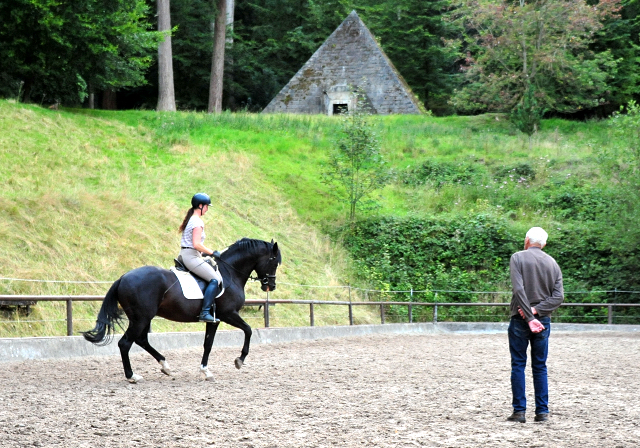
[267, 266]
[247, 255]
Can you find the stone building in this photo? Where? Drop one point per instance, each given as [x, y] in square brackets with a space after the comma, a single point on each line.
[350, 58]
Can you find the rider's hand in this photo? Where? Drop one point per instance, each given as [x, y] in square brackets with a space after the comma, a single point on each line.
[535, 326]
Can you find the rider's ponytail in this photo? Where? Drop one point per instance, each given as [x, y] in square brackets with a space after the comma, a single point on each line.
[186, 220]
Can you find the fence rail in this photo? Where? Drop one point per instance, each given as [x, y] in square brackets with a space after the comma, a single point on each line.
[267, 303]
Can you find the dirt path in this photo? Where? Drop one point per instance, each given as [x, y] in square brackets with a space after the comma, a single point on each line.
[381, 391]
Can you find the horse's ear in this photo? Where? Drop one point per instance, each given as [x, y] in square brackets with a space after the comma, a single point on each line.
[271, 240]
[275, 248]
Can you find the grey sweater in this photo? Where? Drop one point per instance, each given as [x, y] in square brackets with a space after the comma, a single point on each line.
[537, 281]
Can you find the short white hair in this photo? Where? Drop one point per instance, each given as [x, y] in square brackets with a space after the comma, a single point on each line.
[537, 235]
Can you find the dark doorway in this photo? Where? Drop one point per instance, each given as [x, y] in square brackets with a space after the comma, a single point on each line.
[340, 109]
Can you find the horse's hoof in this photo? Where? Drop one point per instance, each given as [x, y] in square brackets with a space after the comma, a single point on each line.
[238, 363]
[135, 378]
[208, 376]
[165, 368]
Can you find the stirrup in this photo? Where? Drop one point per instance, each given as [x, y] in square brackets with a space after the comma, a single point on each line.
[208, 318]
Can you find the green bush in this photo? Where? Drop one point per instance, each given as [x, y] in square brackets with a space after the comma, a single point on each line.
[522, 171]
[472, 254]
[439, 253]
[439, 174]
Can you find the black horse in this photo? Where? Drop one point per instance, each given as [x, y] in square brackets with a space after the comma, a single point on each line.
[149, 291]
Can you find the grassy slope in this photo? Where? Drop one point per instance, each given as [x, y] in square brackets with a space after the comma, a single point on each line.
[88, 198]
[102, 192]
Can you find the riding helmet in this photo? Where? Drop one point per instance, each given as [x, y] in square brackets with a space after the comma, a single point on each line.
[199, 199]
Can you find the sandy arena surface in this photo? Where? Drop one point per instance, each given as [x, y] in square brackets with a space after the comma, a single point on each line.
[380, 391]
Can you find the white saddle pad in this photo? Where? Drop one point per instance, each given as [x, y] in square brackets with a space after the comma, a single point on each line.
[189, 285]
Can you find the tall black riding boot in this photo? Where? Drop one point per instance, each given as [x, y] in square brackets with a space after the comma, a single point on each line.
[209, 302]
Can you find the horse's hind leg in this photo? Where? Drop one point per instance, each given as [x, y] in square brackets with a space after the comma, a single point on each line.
[209, 336]
[237, 321]
[130, 336]
[143, 341]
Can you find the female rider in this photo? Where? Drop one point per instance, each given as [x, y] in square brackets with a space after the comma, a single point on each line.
[192, 249]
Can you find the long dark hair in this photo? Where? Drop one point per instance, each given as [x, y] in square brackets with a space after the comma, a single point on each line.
[186, 220]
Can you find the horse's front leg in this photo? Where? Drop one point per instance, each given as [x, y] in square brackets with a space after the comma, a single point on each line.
[237, 321]
[209, 336]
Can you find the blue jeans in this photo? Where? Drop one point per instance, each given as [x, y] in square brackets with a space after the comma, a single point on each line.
[519, 337]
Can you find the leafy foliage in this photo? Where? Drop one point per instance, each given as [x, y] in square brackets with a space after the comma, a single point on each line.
[356, 168]
[521, 170]
[528, 113]
[56, 49]
[439, 174]
[539, 43]
[452, 253]
[621, 36]
[471, 253]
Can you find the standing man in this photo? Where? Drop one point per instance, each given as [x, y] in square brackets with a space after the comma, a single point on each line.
[537, 292]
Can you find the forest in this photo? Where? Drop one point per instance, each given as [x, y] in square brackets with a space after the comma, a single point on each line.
[572, 58]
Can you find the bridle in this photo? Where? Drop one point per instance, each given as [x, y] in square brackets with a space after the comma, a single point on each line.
[263, 280]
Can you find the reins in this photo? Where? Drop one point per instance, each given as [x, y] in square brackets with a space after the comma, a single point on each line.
[264, 280]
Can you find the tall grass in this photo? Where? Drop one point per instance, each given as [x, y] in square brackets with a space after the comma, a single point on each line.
[87, 198]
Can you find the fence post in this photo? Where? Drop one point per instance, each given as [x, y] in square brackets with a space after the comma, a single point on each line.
[69, 317]
[410, 307]
[311, 316]
[610, 311]
[350, 308]
[266, 312]
[381, 313]
[435, 309]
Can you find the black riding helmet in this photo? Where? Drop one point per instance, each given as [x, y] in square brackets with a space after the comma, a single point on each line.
[199, 199]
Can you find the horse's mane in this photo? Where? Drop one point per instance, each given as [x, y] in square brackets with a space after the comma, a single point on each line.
[252, 245]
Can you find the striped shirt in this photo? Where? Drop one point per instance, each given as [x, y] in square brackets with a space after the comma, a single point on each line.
[187, 235]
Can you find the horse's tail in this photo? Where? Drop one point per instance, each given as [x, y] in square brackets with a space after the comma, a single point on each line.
[108, 317]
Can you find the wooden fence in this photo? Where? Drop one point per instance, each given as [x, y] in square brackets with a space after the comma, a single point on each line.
[266, 303]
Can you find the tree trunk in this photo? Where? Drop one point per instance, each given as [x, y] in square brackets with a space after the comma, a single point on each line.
[166, 95]
[217, 63]
[109, 100]
[26, 96]
[92, 97]
[231, 100]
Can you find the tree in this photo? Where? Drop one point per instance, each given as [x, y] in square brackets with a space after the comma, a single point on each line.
[217, 61]
[527, 114]
[56, 50]
[514, 46]
[356, 168]
[621, 36]
[166, 93]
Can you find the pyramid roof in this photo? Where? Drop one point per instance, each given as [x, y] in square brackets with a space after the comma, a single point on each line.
[350, 58]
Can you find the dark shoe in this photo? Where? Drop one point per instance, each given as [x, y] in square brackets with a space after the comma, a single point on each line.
[541, 417]
[207, 317]
[518, 417]
[208, 303]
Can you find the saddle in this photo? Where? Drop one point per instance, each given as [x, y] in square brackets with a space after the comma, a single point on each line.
[202, 284]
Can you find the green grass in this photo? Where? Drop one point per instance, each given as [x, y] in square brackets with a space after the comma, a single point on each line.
[88, 195]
